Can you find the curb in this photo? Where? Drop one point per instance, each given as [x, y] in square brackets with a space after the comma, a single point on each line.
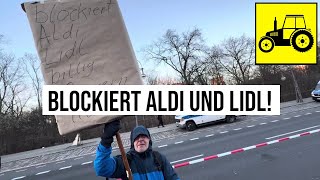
[297, 104]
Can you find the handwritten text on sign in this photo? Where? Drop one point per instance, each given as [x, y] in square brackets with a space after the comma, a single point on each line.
[71, 35]
[82, 42]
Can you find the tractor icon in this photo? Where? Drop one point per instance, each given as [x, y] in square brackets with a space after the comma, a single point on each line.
[293, 32]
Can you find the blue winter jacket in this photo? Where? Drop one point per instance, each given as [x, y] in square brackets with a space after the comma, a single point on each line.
[142, 165]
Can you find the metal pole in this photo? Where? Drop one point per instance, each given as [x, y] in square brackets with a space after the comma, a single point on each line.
[136, 120]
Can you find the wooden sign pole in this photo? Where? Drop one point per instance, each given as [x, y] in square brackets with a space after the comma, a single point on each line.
[124, 157]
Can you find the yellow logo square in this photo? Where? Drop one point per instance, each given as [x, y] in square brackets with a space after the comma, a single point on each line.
[286, 33]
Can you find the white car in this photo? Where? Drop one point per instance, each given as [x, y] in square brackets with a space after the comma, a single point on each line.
[316, 92]
[191, 122]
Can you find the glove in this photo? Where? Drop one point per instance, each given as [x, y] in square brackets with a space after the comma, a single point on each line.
[110, 129]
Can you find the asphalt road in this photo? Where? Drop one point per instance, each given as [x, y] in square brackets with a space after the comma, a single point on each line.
[291, 159]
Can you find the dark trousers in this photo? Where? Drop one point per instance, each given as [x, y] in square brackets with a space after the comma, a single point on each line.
[160, 123]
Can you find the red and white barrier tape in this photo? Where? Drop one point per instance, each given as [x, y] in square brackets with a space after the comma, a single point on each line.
[243, 149]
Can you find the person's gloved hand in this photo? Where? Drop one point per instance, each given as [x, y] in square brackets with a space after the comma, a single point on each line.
[110, 129]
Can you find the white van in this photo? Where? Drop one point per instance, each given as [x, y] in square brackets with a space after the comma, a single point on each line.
[191, 122]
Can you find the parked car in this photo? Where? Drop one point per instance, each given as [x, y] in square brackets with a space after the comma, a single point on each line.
[191, 122]
[316, 92]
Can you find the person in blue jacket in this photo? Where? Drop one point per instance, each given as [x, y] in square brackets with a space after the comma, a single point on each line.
[144, 162]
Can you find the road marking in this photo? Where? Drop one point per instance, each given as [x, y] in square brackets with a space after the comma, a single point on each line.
[40, 166]
[224, 154]
[178, 142]
[86, 163]
[275, 120]
[43, 172]
[196, 161]
[243, 149]
[286, 118]
[237, 151]
[163, 146]
[250, 126]
[21, 170]
[237, 129]
[294, 136]
[193, 139]
[261, 145]
[317, 111]
[60, 162]
[248, 148]
[263, 123]
[186, 158]
[1, 174]
[292, 132]
[224, 132]
[209, 135]
[18, 177]
[272, 142]
[67, 167]
[78, 158]
[314, 131]
[297, 116]
[307, 113]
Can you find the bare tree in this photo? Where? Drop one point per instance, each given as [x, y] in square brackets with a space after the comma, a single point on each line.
[151, 79]
[180, 52]
[269, 74]
[32, 67]
[200, 72]
[214, 69]
[238, 58]
[13, 97]
[156, 80]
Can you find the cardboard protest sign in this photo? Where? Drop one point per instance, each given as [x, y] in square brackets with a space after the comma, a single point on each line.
[82, 42]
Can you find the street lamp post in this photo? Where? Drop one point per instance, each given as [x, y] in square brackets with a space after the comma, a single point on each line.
[143, 75]
[296, 87]
[136, 117]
